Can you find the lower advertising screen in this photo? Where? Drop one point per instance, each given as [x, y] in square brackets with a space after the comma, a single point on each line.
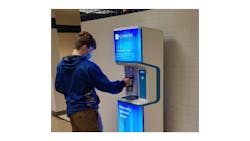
[130, 117]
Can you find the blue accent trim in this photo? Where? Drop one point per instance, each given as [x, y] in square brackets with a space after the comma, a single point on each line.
[142, 82]
[130, 117]
[158, 83]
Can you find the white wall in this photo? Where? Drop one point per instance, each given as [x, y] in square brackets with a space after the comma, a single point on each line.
[181, 50]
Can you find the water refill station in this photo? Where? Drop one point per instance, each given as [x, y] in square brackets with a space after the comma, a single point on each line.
[140, 51]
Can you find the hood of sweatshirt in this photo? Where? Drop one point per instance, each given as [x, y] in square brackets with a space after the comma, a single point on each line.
[69, 63]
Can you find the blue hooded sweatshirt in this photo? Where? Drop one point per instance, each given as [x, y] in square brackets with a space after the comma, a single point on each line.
[77, 78]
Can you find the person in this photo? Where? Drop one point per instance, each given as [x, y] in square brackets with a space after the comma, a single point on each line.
[77, 77]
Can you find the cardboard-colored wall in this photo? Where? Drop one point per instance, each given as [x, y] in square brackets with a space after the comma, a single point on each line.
[66, 43]
[61, 45]
[181, 63]
[66, 40]
[67, 16]
[57, 99]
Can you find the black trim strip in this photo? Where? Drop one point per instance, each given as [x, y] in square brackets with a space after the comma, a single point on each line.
[53, 22]
[68, 28]
[116, 12]
[65, 28]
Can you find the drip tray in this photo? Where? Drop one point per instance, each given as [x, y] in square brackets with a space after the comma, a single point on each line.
[131, 97]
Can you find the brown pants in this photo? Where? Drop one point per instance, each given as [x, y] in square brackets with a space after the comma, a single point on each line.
[86, 121]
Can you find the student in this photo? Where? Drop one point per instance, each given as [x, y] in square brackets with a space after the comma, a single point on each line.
[76, 78]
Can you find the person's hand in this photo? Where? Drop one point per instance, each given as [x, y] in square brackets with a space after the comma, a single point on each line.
[127, 81]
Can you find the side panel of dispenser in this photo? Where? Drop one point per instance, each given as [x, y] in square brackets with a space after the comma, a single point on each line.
[152, 42]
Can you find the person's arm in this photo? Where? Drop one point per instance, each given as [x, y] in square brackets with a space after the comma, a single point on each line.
[59, 81]
[101, 82]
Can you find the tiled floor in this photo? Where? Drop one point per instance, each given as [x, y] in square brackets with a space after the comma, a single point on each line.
[60, 125]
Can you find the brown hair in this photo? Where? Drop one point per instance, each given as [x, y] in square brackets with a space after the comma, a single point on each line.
[85, 38]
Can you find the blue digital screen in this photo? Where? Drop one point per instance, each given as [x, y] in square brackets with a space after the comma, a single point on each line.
[128, 45]
[130, 117]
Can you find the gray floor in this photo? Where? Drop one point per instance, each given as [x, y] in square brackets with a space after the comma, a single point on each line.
[60, 125]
